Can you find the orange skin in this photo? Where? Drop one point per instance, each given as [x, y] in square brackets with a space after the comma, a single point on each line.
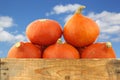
[98, 50]
[80, 31]
[61, 51]
[25, 50]
[44, 32]
[81, 49]
[42, 48]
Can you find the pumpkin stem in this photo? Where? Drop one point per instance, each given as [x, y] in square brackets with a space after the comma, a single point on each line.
[59, 41]
[79, 10]
[108, 44]
[42, 20]
[18, 44]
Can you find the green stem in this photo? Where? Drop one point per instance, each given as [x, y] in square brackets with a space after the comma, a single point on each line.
[79, 10]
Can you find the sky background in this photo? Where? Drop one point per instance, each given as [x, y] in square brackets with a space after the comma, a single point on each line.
[15, 15]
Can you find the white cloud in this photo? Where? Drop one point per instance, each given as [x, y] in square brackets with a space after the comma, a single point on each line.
[6, 21]
[108, 27]
[1, 28]
[117, 39]
[109, 23]
[5, 36]
[8, 37]
[58, 9]
[19, 37]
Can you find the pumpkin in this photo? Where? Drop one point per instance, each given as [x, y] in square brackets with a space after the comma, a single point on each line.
[99, 50]
[80, 30]
[42, 48]
[44, 31]
[80, 49]
[61, 50]
[24, 50]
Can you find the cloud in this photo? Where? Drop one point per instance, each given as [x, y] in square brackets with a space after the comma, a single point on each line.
[117, 39]
[59, 9]
[6, 21]
[8, 37]
[5, 36]
[109, 23]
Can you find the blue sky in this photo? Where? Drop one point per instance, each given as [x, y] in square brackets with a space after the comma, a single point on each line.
[15, 15]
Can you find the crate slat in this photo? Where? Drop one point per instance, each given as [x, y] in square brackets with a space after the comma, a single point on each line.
[59, 69]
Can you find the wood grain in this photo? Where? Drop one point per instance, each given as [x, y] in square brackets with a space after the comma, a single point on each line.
[59, 69]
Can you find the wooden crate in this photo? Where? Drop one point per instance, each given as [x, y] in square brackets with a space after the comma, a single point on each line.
[59, 69]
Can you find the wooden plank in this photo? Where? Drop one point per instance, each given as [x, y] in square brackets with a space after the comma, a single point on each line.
[60, 69]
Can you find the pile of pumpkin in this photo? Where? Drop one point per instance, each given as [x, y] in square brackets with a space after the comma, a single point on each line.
[79, 32]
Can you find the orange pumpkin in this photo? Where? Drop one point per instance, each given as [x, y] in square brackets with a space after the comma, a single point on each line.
[99, 50]
[80, 49]
[42, 48]
[44, 31]
[24, 50]
[61, 50]
[79, 30]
